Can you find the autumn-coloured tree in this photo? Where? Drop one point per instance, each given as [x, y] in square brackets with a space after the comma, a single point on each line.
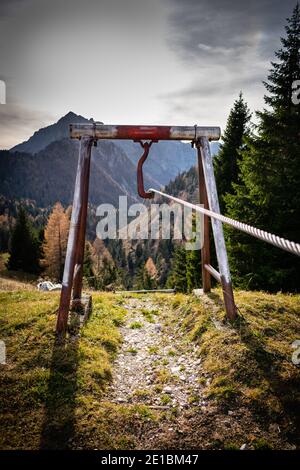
[147, 276]
[104, 268]
[151, 268]
[55, 243]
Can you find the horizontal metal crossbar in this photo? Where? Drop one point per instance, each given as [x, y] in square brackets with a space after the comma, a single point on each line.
[111, 131]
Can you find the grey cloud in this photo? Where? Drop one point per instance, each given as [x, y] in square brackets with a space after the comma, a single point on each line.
[16, 120]
[226, 24]
[9, 7]
[214, 87]
[228, 46]
[220, 47]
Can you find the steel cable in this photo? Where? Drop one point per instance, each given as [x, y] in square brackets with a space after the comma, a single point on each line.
[275, 240]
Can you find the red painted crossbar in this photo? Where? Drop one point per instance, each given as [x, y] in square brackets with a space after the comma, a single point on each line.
[102, 131]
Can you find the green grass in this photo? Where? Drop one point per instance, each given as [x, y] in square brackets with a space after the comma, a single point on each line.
[142, 393]
[45, 385]
[148, 314]
[171, 353]
[132, 350]
[165, 399]
[162, 376]
[14, 280]
[53, 395]
[249, 361]
[136, 325]
[153, 349]
[262, 444]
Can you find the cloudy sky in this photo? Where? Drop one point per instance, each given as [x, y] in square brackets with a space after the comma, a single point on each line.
[133, 61]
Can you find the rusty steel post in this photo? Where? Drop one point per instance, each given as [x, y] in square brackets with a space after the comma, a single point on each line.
[78, 270]
[205, 250]
[212, 194]
[74, 235]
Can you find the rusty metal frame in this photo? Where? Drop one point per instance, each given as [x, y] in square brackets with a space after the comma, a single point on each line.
[90, 133]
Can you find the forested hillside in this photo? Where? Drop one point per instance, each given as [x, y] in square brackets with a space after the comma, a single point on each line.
[49, 175]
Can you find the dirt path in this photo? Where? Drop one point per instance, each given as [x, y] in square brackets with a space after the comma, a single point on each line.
[160, 369]
[155, 366]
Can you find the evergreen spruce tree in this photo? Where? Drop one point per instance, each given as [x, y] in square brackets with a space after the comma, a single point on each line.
[88, 273]
[193, 270]
[146, 277]
[103, 267]
[226, 161]
[193, 265]
[178, 275]
[139, 278]
[268, 192]
[24, 246]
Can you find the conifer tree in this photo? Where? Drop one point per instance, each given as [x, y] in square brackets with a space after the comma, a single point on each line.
[193, 270]
[88, 264]
[226, 161]
[178, 275]
[24, 246]
[268, 192]
[104, 268]
[193, 264]
[146, 277]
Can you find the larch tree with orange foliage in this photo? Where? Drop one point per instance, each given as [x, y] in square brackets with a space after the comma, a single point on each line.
[55, 243]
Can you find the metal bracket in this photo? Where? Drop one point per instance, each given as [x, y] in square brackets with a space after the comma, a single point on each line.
[140, 178]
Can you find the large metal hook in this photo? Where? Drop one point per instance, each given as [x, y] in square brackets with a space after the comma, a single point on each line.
[140, 178]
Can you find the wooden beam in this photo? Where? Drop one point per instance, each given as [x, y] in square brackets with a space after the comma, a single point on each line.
[78, 272]
[205, 250]
[213, 272]
[147, 291]
[212, 194]
[74, 232]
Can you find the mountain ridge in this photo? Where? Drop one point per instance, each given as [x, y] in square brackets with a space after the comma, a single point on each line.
[166, 159]
[43, 168]
[49, 175]
[45, 135]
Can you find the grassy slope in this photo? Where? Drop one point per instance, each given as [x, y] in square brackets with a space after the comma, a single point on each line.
[14, 280]
[44, 385]
[250, 361]
[52, 396]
